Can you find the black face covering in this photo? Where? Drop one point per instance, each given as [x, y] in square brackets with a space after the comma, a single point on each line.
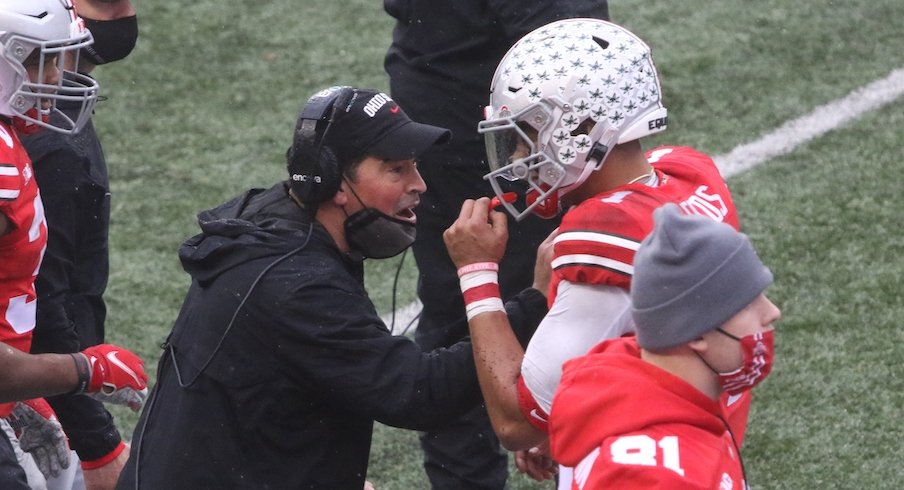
[377, 235]
[113, 39]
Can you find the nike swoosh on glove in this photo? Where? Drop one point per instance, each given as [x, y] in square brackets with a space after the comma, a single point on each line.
[41, 435]
[117, 376]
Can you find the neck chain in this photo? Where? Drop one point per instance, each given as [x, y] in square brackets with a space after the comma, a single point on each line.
[641, 178]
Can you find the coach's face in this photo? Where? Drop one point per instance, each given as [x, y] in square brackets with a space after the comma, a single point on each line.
[392, 187]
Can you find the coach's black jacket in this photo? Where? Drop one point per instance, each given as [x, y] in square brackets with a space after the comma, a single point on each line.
[280, 391]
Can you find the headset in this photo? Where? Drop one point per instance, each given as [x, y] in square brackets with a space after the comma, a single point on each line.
[314, 171]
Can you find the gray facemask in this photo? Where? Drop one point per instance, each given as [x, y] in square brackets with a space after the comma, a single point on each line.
[377, 235]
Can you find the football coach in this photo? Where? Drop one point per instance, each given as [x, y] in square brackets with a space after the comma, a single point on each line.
[278, 363]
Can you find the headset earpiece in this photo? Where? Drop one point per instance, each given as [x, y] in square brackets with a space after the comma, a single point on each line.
[314, 172]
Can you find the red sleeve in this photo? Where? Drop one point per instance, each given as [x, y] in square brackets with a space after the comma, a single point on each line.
[597, 241]
[530, 409]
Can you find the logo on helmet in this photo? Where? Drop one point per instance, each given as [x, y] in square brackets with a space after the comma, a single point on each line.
[658, 123]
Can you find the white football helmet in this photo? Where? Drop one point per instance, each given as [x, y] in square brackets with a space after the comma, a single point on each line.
[562, 97]
[33, 32]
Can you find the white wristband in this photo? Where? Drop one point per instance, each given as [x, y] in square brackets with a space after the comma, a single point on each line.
[484, 306]
[480, 289]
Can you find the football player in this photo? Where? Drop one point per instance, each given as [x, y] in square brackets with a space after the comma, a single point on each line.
[569, 105]
[36, 39]
[73, 177]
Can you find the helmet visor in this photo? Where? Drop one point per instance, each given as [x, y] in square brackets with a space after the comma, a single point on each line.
[508, 139]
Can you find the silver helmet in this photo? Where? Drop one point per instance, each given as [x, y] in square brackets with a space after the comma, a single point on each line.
[43, 35]
[562, 97]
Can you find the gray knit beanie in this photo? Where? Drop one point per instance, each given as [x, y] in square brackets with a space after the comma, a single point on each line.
[691, 274]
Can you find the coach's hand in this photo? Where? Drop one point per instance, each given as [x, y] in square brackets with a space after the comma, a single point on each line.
[117, 376]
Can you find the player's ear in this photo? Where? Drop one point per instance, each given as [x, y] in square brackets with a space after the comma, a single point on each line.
[698, 345]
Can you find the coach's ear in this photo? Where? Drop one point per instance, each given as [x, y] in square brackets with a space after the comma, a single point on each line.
[341, 197]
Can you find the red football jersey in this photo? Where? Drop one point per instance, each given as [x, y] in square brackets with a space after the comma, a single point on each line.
[598, 237]
[22, 247]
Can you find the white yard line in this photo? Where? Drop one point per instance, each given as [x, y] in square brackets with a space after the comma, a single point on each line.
[818, 122]
[777, 143]
[403, 317]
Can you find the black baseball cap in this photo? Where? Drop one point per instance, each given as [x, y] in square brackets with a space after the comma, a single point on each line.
[371, 123]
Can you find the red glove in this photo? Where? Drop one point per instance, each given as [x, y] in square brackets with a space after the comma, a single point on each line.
[40, 434]
[116, 375]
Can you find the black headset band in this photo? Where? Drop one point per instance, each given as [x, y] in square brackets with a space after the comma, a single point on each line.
[313, 166]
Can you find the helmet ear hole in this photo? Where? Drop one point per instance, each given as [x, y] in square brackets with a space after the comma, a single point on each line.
[601, 42]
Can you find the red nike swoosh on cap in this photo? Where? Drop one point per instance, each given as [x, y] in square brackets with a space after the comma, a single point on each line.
[394, 110]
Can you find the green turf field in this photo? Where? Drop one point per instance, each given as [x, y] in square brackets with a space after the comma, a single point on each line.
[204, 108]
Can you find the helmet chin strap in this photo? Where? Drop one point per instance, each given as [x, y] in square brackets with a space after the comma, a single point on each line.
[28, 125]
[547, 208]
